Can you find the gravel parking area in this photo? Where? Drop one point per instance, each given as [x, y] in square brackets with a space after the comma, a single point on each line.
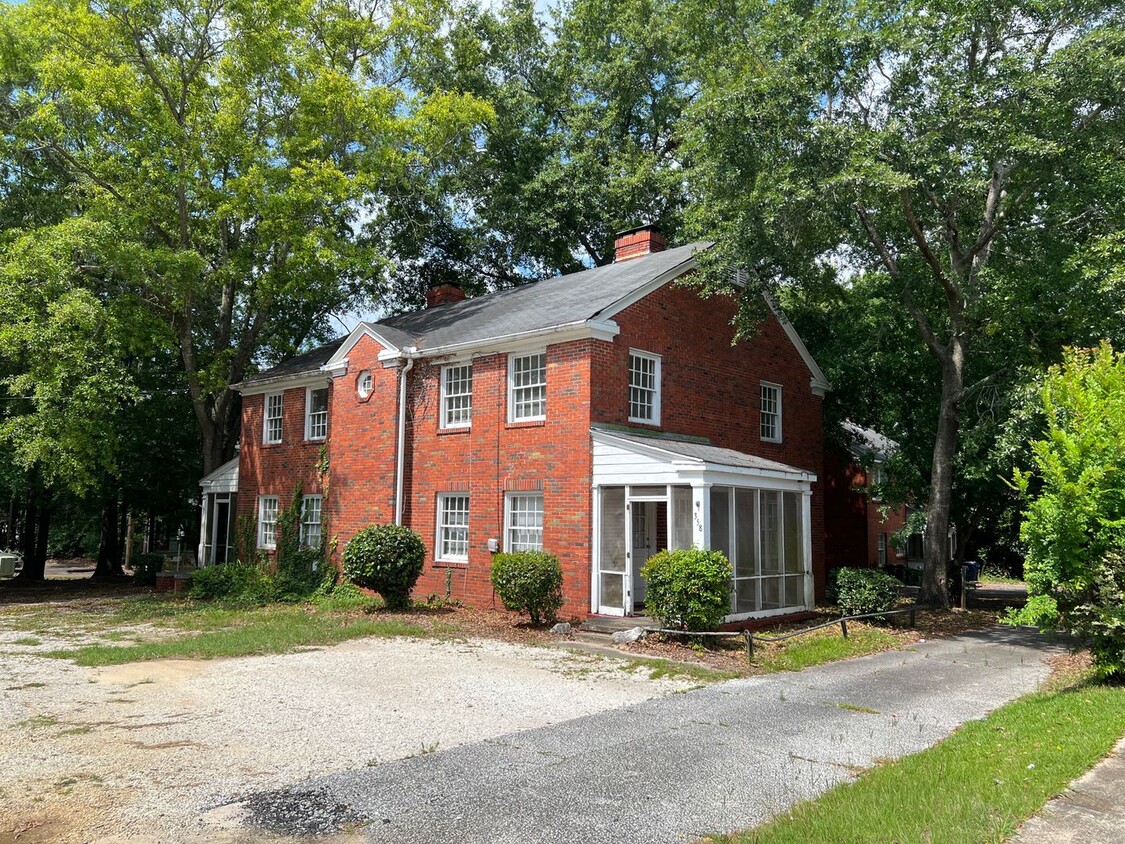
[153, 751]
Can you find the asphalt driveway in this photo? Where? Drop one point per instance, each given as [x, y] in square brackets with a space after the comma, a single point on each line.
[676, 768]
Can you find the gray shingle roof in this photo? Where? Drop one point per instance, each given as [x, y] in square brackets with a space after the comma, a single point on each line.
[301, 364]
[864, 442]
[696, 450]
[562, 300]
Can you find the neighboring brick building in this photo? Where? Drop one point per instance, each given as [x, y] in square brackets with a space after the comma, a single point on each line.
[859, 527]
[601, 416]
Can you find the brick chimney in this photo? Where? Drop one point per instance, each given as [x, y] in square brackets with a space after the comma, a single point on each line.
[635, 243]
[444, 294]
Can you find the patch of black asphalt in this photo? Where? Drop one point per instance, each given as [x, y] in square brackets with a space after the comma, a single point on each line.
[678, 768]
[301, 813]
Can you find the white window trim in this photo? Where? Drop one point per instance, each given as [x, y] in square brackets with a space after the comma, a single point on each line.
[508, 496]
[262, 499]
[512, 386]
[319, 520]
[780, 430]
[308, 414]
[360, 390]
[881, 554]
[441, 410]
[440, 525]
[655, 420]
[266, 418]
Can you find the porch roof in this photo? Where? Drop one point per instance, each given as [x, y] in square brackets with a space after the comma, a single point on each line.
[699, 453]
[223, 479]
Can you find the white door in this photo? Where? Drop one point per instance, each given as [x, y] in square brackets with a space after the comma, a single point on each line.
[613, 554]
[644, 544]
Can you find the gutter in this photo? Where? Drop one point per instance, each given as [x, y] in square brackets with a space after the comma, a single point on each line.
[400, 447]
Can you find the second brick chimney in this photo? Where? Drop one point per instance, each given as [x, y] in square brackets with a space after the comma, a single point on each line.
[635, 243]
[444, 294]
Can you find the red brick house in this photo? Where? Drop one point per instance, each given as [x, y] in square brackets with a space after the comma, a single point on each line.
[859, 526]
[601, 416]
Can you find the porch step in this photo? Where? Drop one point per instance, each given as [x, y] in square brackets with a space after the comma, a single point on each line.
[611, 624]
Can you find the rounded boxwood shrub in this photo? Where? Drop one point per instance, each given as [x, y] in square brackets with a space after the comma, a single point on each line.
[688, 589]
[387, 559]
[863, 591]
[528, 581]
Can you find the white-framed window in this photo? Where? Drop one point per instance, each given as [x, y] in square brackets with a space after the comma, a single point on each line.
[527, 387]
[523, 521]
[453, 527]
[644, 387]
[364, 383]
[267, 522]
[457, 395]
[770, 412]
[882, 549]
[316, 413]
[271, 430]
[311, 506]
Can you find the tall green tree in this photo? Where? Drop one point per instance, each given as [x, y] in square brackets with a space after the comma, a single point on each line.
[218, 157]
[968, 153]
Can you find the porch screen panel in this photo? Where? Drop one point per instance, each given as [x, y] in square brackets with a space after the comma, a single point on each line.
[746, 561]
[612, 547]
[681, 517]
[771, 532]
[720, 520]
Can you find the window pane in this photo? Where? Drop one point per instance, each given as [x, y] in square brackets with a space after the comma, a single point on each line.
[643, 388]
[794, 534]
[795, 591]
[529, 386]
[648, 492]
[453, 515]
[273, 418]
[771, 533]
[318, 414]
[310, 521]
[613, 590]
[458, 392]
[525, 523]
[746, 595]
[771, 593]
[770, 412]
[746, 532]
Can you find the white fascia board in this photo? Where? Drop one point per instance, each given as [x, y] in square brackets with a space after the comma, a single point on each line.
[283, 382]
[525, 340]
[819, 381]
[646, 289]
[339, 360]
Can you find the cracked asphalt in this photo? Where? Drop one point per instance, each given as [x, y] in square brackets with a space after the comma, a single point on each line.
[677, 768]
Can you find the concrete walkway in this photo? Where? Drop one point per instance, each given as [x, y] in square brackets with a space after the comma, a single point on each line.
[674, 769]
[1091, 811]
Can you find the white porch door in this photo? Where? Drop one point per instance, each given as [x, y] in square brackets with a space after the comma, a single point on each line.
[614, 596]
[645, 543]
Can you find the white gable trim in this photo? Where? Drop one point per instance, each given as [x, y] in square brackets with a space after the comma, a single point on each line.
[646, 289]
[223, 479]
[338, 363]
[281, 383]
[819, 382]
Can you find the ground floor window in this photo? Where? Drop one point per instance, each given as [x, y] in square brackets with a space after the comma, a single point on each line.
[762, 534]
[311, 506]
[453, 528]
[882, 549]
[267, 522]
[523, 521]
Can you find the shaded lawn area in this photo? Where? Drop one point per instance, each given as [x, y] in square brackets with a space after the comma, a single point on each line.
[976, 786]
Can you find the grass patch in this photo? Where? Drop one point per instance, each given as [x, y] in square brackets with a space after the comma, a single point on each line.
[660, 669]
[35, 685]
[821, 647]
[851, 707]
[225, 632]
[976, 786]
[37, 722]
[30, 641]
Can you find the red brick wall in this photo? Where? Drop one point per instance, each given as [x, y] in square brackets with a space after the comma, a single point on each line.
[710, 385]
[277, 469]
[853, 521]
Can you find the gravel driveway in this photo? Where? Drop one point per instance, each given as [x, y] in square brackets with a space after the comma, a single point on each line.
[142, 752]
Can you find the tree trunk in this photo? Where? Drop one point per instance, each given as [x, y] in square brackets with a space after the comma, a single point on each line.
[109, 553]
[939, 512]
[27, 542]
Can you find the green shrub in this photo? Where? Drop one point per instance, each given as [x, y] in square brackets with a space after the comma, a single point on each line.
[388, 559]
[863, 591]
[244, 583]
[1094, 610]
[688, 589]
[528, 581]
[146, 567]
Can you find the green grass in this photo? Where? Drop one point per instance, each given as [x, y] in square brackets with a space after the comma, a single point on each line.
[216, 631]
[977, 786]
[1000, 578]
[30, 641]
[852, 707]
[817, 649]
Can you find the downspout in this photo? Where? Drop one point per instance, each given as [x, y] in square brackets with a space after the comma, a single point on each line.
[400, 457]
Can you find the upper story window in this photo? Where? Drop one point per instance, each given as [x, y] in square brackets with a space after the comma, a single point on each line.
[453, 528]
[877, 479]
[771, 412]
[311, 506]
[316, 413]
[644, 387]
[267, 522]
[271, 432]
[524, 521]
[527, 387]
[457, 396]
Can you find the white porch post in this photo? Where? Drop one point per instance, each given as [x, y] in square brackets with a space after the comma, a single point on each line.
[700, 515]
[201, 558]
[595, 550]
[806, 525]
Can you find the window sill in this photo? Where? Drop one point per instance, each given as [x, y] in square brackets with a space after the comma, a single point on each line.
[464, 429]
[451, 564]
[527, 423]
